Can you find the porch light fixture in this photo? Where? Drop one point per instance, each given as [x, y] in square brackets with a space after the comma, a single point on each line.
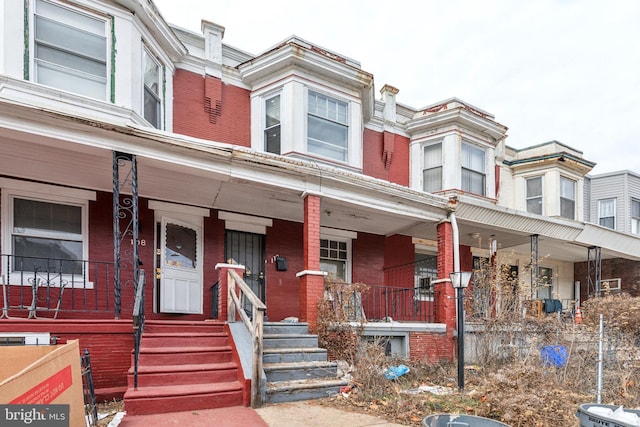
[460, 280]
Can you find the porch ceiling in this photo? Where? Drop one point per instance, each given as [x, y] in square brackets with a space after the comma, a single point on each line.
[62, 162]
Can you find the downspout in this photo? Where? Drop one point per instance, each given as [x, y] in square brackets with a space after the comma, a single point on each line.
[456, 242]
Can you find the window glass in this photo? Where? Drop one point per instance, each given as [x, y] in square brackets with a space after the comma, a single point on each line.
[567, 198]
[534, 195]
[45, 233]
[333, 258]
[327, 128]
[272, 125]
[70, 50]
[180, 246]
[473, 169]
[426, 270]
[432, 172]
[635, 216]
[545, 283]
[151, 90]
[607, 213]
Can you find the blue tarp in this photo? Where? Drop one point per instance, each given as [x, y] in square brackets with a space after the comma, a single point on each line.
[554, 355]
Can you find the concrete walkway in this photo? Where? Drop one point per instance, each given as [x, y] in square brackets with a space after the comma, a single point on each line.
[311, 414]
[294, 414]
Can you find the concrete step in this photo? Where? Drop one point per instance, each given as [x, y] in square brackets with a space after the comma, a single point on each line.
[186, 397]
[289, 341]
[285, 355]
[184, 374]
[184, 339]
[299, 371]
[158, 356]
[289, 391]
[285, 328]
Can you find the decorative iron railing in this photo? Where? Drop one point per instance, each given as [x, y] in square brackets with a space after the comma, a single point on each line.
[388, 303]
[90, 405]
[38, 286]
[138, 325]
[242, 300]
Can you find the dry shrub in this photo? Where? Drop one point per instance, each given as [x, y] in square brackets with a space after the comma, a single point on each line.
[336, 311]
[621, 312]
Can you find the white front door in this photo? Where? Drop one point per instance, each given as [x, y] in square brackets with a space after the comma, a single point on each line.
[180, 259]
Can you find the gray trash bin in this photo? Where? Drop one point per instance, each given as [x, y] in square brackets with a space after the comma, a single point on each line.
[590, 419]
[456, 420]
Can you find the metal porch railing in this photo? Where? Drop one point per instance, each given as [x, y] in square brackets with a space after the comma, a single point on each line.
[388, 303]
[138, 325]
[33, 286]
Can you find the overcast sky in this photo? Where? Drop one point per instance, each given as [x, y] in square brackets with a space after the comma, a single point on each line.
[565, 70]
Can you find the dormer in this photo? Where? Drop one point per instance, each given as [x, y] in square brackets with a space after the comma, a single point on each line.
[308, 102]
[108, 60]
[454, 147]
[547, 179]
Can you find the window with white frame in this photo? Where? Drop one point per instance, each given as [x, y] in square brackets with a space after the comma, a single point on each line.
[474, 177]
[534, 195]
[327, 127]
[70, 49]
[607, 213]
[432, 170]
[272, 125]
[567, 198]
[544, 283]
[334, 257]
[635, 216]
[152, 90]
[44, 228]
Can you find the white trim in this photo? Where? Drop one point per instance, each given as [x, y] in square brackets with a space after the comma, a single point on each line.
[311, 273]
[47, 190]
[156, 205]
[225, 265]
[335, 232]
[45, 193]
[245, 223]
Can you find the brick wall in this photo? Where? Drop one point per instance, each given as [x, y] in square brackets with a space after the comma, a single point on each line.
[368, 252]
[372, 158]
[283, 287]
[109, 343]
[430, 347]
[627, 270]
[195, 112]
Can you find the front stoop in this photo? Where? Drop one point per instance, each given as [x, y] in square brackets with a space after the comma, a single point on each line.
[183, 366]
[295, 368]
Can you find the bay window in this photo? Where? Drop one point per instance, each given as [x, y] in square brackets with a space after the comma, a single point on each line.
[152, 84]
[473, 169]
[567, 198]
[327, 127]
[534, 195]
[70, 49]
[432, 171]
[272, 125]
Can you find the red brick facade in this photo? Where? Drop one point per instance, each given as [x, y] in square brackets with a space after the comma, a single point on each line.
[394, 167]
[197, 112]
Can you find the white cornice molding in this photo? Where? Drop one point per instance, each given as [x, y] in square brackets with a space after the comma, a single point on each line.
[456, 116]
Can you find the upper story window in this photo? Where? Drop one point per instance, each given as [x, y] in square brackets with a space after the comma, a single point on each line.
[473, 169]
[534, 195]
[272, 125]
[70, 50]
[327, 127]
[607, 213]
[635, 216]
[152, 95]
[567, 198]
[432, 171]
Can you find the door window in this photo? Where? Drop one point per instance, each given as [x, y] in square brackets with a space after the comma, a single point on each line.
[180, 246]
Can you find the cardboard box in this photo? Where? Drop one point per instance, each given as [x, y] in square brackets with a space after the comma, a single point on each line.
[43, 375]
